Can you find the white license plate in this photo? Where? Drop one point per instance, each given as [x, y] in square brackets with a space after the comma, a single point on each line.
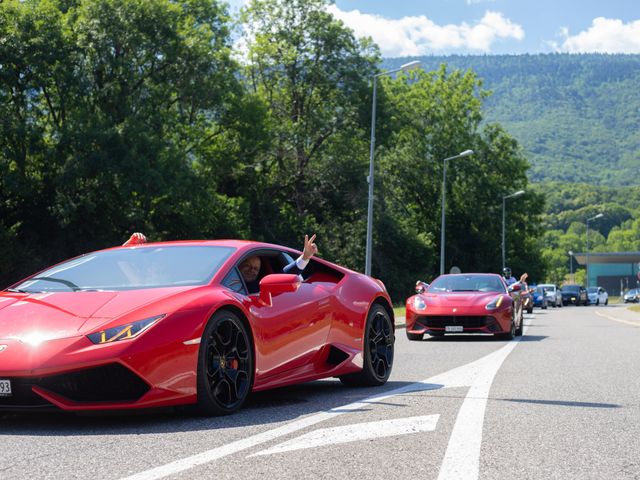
[453, 328]
[5, 388]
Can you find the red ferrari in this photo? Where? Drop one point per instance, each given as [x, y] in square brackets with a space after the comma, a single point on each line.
[172, 323]
[464, 303]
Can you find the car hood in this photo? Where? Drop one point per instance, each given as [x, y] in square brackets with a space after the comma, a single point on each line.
[460, 299]
[45, 316]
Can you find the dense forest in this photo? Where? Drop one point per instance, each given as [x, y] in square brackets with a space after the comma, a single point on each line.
[576, 116]
[138, 115]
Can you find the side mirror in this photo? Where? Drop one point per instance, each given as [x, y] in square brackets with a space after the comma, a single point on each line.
[276, 284]
[421, 287]
[515, 287]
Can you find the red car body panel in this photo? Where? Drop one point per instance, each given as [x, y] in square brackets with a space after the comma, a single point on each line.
[45, 334]
[465, 309]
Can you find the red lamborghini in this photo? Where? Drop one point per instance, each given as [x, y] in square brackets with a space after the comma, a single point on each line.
[464, 303]
[173, 323]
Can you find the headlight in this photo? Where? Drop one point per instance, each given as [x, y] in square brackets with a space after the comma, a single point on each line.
[495, 303]
[419, 304]
[123, 332]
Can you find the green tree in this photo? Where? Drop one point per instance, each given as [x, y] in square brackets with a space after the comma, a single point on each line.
[115, 114]
[313, 76]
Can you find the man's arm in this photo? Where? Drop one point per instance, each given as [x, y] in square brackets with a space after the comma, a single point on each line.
[309, 250]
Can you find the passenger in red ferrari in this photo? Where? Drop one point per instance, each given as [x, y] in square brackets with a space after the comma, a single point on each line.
[250, 268]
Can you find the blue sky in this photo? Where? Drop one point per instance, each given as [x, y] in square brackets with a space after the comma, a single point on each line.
[442, 27]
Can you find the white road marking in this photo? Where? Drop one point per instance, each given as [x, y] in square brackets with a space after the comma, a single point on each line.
[458, 377]
[634, 324]
[462, 458]
[356, 432]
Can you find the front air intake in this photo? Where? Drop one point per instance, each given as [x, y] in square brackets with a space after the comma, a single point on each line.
[107, 383]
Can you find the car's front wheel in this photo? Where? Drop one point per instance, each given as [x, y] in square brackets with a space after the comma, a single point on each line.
[512, 330]
[225, 365]
[378, 350]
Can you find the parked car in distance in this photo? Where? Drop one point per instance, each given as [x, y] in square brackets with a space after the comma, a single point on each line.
[597, 296]
[575, 294]
[540, 298]
[632, 296]
[552, 293]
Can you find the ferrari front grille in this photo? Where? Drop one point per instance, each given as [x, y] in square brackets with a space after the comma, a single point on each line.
[467, 321]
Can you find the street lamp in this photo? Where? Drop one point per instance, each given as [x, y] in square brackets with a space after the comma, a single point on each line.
[600, 215]
[504, 201]
[466, 153]
[405, 67]
[570, 252]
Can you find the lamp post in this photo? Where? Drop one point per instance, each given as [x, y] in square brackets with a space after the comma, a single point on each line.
[600, 215]
[570, 252]
[405, 67]
[504, 201]
[466, 153]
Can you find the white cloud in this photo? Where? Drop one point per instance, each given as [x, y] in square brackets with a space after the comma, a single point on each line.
[412, 36]
[605, 35]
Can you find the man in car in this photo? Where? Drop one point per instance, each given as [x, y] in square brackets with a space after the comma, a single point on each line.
[250, 267]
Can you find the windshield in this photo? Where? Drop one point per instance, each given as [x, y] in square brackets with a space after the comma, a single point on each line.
[571, 288]
[132, 268]
[541, 289]
[467, 283]
[592, 290]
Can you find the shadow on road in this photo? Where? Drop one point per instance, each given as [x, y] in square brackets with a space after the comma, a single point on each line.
[262, 408]
[481, 338]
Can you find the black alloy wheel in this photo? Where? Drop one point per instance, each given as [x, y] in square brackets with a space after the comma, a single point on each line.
[225, 365]
[378, 350]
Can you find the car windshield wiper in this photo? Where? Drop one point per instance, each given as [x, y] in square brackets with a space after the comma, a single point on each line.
[465, 290]
[67, 283]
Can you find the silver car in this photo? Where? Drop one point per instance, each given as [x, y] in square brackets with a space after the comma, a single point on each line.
[597, 296]
[632, 296]
[552, 294]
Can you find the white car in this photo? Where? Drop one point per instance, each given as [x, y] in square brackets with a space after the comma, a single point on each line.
[552, 293]
[597, 296]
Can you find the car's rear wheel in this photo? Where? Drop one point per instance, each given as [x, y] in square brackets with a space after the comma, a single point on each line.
[225, 365]
[378, 350]
[606, 302]
[415, 337]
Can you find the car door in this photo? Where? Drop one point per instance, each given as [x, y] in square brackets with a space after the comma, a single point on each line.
[290, 330]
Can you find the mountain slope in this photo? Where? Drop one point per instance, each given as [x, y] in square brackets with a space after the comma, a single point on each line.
[576, 116]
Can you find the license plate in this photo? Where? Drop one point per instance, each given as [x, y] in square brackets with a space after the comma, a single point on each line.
[5, 388]
[453, 328]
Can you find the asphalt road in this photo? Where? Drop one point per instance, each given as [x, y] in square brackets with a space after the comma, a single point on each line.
[561, 402]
